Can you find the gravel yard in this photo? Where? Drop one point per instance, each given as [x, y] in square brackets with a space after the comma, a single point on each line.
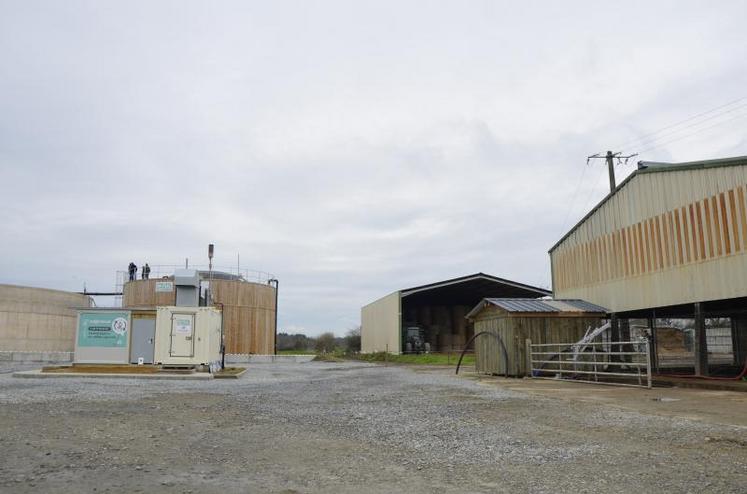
[347, 427]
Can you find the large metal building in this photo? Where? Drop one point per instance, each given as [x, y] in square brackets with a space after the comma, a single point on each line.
[438, 310]
[669, 241]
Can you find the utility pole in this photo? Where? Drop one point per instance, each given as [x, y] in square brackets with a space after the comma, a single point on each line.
[610, 158]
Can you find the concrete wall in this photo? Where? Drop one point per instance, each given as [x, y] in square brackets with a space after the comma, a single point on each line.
[380, 325]
[665, 238]
[38, 319]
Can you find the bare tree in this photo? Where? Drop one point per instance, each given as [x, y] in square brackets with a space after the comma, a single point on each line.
[325, 342]
[353, 339]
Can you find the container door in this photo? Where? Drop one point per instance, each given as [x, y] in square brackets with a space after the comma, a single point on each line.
[143, 339]
[182, 335]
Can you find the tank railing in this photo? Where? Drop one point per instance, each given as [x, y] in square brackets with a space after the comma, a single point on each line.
[161, 270]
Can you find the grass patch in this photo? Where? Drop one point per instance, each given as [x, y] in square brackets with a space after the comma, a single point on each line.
[418, 359]
[229, 373]
[296, 352]
[329, 357]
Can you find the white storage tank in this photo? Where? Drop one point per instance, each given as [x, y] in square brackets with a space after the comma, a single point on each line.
[188, 336]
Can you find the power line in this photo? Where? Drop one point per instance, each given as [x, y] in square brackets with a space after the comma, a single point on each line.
[649, 136]
[655, 140]
[679, 138]
[593, 188]
[575, 194]
[610, 158]
[694, 124]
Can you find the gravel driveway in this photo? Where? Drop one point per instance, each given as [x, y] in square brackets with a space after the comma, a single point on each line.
[346, 427]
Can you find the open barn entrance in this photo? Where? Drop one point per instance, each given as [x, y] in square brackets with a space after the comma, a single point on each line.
[433, 316]
[704, 339]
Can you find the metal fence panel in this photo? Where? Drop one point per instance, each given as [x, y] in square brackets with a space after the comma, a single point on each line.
[621, 363]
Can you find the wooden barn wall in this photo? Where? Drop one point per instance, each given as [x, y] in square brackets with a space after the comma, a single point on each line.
[248, 311]
[666, 238]
[514, 332]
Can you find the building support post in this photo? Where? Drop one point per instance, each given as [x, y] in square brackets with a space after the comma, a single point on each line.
[653, 346]
[700, 343]
[615, 337]
[610, 158]
[625, 336]
[739, 339]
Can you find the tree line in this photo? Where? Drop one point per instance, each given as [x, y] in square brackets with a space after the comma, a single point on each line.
[324, 343]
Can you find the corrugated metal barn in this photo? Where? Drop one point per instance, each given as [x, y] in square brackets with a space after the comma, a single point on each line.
[514, 321]
[669, 241]
[439, 309]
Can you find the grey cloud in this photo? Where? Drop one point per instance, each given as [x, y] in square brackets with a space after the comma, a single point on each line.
[350, 149]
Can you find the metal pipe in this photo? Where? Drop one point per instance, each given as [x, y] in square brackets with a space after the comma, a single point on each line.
[276, 283]
[503, 346]
[222, 339]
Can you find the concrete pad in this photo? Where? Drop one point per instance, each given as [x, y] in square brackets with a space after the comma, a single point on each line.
[38, 374]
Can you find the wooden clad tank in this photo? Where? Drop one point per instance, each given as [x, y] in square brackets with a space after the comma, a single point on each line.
[248, 316]
[248, 310]
[38, 319]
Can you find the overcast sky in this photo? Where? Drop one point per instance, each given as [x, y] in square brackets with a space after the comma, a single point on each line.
[350, 148]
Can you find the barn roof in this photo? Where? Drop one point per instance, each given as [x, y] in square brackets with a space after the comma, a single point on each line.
[479, 281]
[645, 167]
[538, 305]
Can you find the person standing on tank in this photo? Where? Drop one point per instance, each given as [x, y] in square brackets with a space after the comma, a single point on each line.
[146, 272]
[133, 271]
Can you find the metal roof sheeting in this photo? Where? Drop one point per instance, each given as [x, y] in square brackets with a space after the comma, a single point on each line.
[539, 305]
[477, 276]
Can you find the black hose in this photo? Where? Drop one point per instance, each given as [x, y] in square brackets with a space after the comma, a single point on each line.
[222, 339]
[503, 347]
[275, 338]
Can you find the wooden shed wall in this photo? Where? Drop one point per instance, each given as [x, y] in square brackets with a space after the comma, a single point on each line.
[514, 331]
[248, 311]
[665, 238]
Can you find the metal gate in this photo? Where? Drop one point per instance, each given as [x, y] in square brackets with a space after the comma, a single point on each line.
[619, 363]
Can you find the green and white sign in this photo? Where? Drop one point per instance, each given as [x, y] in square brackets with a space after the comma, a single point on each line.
[103, 329]
[164, 286]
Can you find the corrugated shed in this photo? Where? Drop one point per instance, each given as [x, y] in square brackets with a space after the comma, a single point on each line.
[539, 306]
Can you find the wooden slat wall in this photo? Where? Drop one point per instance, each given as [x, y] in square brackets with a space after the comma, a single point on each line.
[665, 238]
[248, 311]
[142, 293]
[248, 316]
[514, 331]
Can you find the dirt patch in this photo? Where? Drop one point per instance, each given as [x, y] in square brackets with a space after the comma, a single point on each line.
[325, 427]
[102, 369]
